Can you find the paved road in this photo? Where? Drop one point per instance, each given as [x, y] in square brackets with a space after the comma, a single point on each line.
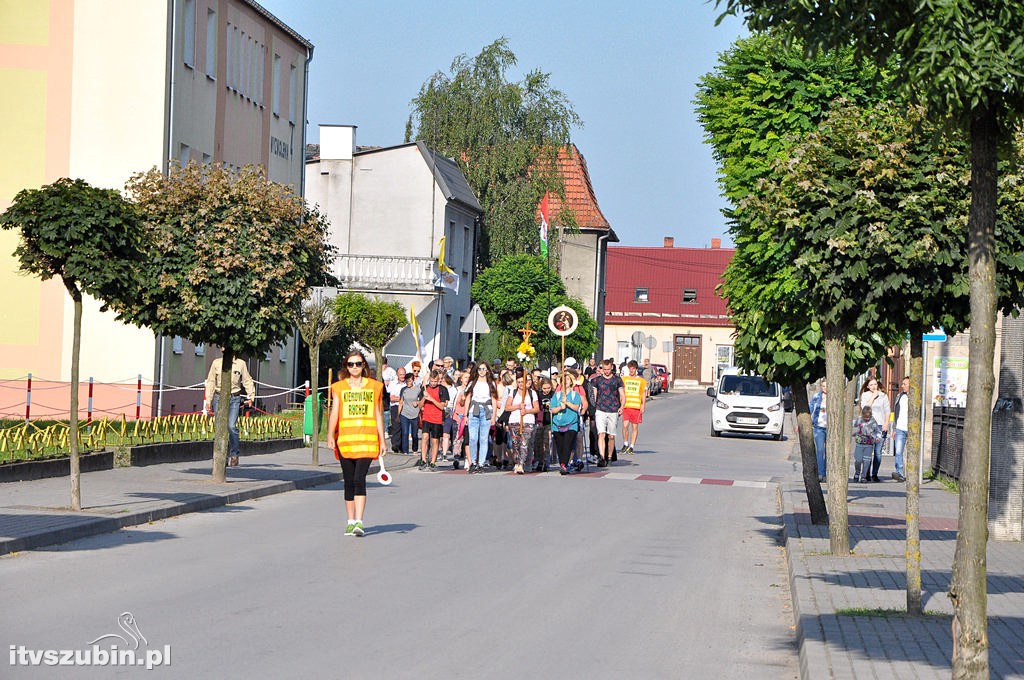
[490, 576]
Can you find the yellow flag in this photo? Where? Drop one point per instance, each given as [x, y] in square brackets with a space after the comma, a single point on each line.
[416, 335]
[441, 266]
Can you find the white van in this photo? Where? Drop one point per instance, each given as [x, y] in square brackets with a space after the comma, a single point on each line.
[746, 403]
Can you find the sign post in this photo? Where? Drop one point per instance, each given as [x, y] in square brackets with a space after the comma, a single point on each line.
[475, 323]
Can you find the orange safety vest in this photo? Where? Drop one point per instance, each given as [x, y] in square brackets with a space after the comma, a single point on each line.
[357, 419]
[636, 391]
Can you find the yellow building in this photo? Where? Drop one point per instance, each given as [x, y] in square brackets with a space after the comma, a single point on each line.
[99, 90]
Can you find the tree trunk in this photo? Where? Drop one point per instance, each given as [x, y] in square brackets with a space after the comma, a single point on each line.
[835, 443]
[76, 350]
[314, 378]
[967, 587]
[912, 466]
[808, 455]
[220, 419]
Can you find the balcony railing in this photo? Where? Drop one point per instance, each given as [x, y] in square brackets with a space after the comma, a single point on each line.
[385, 273]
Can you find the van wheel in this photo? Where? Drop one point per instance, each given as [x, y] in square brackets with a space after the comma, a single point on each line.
[714, 432]
[778, 437]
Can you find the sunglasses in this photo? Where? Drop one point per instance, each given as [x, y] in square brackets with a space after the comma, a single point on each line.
[354, 364]
[482, 368]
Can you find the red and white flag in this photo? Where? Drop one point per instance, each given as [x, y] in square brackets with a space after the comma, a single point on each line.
[544, 225]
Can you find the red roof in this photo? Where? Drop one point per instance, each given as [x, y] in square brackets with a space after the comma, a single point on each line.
[666, 273]
[579, 192]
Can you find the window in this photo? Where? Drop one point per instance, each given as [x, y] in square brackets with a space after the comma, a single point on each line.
[184, 155]
[275, 90]
[229, 54]
[640, 295]
[292, 92]
[689, 296]
[236, 78]
[282, 355]
[466, 255]
[188, 30]
[211, 44]
[207, 158]
[176, 344]
[201, 349]
[261, 55]
[243, 65]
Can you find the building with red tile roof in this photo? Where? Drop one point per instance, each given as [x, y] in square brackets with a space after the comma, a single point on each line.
[582, 254]
[668, 293]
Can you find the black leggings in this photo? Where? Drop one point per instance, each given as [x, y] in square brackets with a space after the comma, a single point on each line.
[354, 470]
[565, 442]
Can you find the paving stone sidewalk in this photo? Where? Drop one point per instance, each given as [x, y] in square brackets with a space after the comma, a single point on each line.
[837, 644]
[35, 514]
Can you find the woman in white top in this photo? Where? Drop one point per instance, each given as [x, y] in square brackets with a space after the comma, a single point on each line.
[480, 404]
[523, 407]
[871, 396]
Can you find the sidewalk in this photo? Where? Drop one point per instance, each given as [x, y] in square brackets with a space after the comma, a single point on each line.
[837, 644]
[35, 514]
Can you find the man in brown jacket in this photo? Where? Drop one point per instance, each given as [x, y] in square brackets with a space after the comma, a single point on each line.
[239, 378]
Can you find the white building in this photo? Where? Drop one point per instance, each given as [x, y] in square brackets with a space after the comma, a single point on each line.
[389, 209]
[100, 90]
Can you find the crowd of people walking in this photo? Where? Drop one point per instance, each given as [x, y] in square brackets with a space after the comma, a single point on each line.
[512, 417]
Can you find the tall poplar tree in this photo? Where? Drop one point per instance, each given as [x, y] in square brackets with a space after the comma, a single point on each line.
[506, 137]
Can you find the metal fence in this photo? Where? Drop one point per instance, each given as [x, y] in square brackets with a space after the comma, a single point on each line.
[948, 439]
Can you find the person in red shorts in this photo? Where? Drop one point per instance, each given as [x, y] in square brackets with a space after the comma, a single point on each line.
[435, 399]
[633, 410]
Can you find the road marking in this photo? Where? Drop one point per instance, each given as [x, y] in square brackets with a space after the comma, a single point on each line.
[633, 477]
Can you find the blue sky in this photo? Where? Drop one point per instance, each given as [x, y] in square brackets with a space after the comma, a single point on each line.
[630, 70]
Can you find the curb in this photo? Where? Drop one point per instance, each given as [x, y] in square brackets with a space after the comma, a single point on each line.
[790, 533]
[86, 525]
[94, 526]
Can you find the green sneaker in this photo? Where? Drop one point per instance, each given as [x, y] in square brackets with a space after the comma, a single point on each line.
[357, 529]
[350, 530]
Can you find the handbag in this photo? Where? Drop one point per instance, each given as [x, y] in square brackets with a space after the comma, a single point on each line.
[887, 445]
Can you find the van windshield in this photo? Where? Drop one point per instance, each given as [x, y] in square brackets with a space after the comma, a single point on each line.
[748, 386]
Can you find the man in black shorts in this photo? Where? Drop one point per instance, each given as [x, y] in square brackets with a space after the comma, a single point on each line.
[435, 399]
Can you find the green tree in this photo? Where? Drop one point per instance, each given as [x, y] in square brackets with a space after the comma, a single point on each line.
[524, 288]
[371, 322]
[962, 58]
[762, 97]
[317, 323]
[229, 257]
[89, 238]
[506, 137]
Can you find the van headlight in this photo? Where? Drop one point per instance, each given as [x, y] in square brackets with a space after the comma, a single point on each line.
[721, 404]
[775, 407]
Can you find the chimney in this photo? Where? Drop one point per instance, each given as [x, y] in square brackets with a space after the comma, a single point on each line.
[337, 142]
[669, 242]
[716, 243]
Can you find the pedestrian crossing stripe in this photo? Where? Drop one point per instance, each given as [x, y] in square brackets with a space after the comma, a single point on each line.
[633, 477]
